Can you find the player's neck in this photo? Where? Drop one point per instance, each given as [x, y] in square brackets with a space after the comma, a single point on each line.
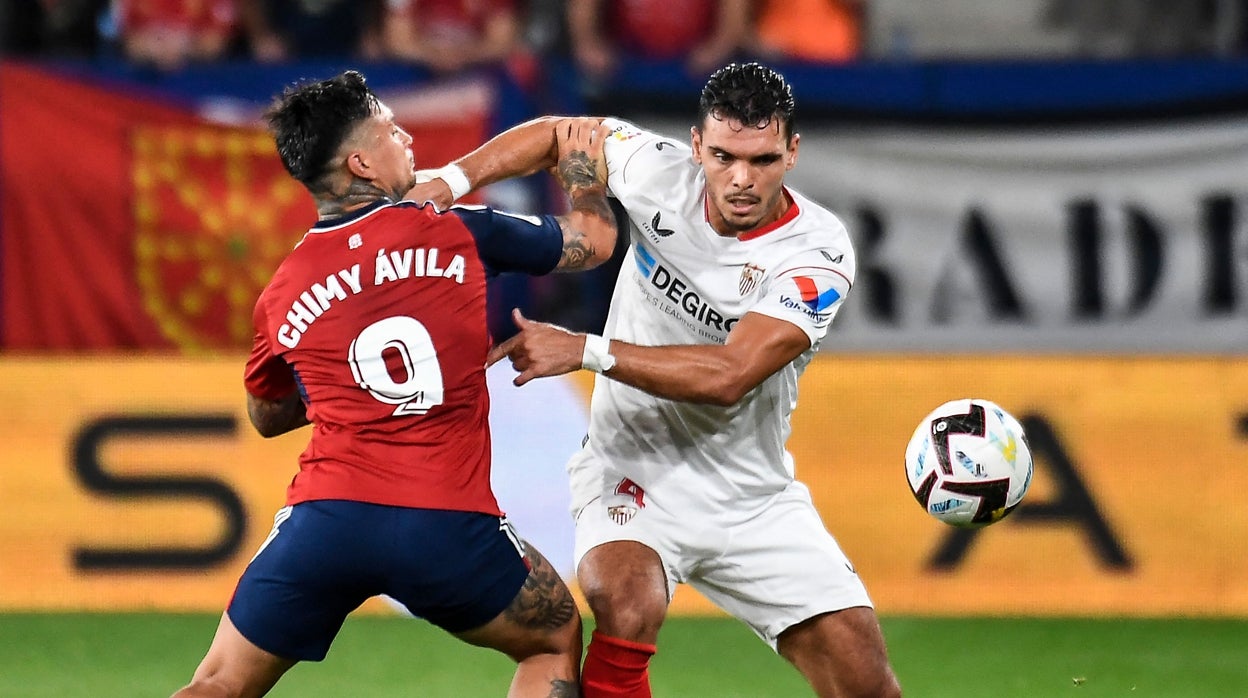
[348, 194]
[338, 207]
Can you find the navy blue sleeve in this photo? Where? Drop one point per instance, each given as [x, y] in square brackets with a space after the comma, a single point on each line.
[512, 242]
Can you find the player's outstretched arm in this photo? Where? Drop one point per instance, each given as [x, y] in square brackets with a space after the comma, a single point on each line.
[520, 150]
[276, 417]
[757, 347]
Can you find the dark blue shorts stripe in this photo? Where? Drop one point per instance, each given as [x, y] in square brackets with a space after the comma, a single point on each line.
[324, 558]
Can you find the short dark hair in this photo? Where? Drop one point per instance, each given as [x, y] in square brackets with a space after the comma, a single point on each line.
[311, 120]
[750, 93]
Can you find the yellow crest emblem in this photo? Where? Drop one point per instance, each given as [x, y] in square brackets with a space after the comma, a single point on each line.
[214, 215]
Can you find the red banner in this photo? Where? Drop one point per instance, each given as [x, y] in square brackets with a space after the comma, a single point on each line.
[130, 223]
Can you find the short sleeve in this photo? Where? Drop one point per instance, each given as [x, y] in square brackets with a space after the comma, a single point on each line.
[267, 376]
[513, 242]
[807, 292]
[625, 149]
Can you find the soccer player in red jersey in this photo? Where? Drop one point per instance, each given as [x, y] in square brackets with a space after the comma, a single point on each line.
[373, 330]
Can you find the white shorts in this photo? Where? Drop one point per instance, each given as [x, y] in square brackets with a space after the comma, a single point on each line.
[772, 567]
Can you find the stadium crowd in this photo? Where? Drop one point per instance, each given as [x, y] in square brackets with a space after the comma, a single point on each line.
[452, 35]
[444, 35]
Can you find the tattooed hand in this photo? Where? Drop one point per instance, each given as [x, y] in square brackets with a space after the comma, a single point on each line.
[581, 162]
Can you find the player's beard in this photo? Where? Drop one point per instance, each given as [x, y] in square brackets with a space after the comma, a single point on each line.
[765, 209]
[738, 224]
[401, 190]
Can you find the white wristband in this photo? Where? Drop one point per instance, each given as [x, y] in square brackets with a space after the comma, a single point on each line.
[454, 177]
[597, 356]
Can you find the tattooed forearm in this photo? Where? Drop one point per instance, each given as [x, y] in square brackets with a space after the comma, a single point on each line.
[579, 251]
[593, 202]
[563, 689]
[274, 417]
[576, 249]
[585, 180]
[544, 602]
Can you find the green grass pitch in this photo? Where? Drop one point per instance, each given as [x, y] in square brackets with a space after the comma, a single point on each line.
[139, 655]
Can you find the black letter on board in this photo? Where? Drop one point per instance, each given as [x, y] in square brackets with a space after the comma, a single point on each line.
[90, 471]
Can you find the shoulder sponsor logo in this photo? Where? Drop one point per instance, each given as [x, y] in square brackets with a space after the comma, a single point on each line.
[812, 297]
[828, 256]
[659, 146]
[751, 274]
[810, 300]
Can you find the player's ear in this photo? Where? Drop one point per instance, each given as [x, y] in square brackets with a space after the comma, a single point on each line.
[790, 157]
[695, 142]
[358, 165]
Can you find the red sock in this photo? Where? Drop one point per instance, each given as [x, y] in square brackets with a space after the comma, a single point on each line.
[616, 668]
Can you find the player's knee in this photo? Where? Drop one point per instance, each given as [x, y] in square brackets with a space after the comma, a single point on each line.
[892, 687]
[870, 684]
[635, 618]
[208, 687]
[886, 687]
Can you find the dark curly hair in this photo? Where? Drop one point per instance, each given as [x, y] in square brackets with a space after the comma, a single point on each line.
[750, 93]
[310, 121]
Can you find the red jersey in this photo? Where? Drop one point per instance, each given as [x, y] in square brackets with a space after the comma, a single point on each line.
[452, 20]
[660, 28]
[379, 320]
[190, 16]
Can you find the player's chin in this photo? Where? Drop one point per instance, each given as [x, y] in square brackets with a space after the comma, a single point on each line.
[743, 223]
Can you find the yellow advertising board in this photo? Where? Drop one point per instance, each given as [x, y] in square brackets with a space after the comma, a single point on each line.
[139, 484]
[131, 483]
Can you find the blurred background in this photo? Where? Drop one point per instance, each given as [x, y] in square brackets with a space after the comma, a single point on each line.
[1047, 197]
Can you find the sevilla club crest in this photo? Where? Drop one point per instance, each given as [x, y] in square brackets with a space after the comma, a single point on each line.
[751, 274]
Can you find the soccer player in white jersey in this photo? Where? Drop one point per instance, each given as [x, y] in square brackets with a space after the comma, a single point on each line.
[684, 478]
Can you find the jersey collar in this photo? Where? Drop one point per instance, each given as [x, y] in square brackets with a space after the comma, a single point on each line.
[350, 216]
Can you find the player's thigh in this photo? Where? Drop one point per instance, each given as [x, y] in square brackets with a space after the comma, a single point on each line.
[234, 666]
[542, 617]
[317, 565]
[625, 549]
[628, 566]
[456, 569]
[780, 568]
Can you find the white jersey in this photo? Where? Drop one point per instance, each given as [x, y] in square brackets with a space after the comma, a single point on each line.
[685, 284]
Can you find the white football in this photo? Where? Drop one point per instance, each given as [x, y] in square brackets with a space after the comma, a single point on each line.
[968, 463]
